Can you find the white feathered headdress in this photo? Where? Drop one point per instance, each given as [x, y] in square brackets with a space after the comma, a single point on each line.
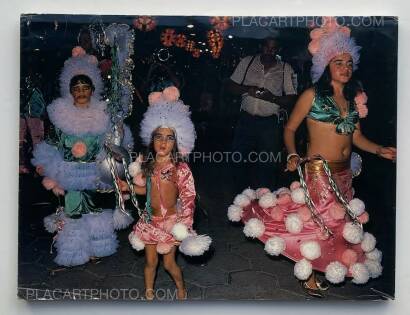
[166, 110]
[81, 63]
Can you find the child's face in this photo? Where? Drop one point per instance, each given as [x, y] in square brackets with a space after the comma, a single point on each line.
[164, 141]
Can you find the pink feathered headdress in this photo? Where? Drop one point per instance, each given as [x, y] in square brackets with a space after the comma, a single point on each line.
[328, 41]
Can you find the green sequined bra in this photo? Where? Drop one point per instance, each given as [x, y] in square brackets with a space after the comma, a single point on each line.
[324, 109]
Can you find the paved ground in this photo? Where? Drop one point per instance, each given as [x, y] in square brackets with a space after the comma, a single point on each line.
[235, 268]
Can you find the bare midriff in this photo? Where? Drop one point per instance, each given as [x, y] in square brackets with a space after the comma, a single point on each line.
[325, 141]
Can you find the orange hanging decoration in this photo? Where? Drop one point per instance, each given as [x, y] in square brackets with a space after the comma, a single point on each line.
[190, 45]
[215, 42]
[215, 53]
[220, 23]
[180, 40]
[145, 23]
[168, 37]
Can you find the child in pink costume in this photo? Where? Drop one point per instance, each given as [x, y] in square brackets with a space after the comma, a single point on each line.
[167, 181]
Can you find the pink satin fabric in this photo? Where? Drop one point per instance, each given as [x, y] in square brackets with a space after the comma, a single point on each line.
[324, 199]
[158, 231]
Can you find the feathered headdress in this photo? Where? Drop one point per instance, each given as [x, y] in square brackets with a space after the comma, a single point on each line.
[328, 41]
[81, 63]
[166, 110]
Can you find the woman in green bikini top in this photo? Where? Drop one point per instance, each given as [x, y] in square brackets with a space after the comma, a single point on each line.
[331, 116]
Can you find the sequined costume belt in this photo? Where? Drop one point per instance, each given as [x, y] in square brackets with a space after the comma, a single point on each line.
[316, 166]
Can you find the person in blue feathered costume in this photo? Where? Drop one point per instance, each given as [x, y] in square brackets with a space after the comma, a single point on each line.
[70, 161]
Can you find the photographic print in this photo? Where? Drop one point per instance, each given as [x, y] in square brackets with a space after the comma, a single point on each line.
[170, 158]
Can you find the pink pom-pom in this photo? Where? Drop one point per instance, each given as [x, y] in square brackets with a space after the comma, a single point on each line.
[345, 30]
[363, 218]
[276, 213]
[154, 98]
[314, 46]
[78, 51]
[261, 191]
[349, 257]
[329, 23]
[361, 98]
[294, 185]
[337, 212]
[362, 110]
[304, 213]
[79, 149]
[58, 191]
[171, 94]
[317, 33]
[164, 248]
[284, 199]
[48, 183]
[139, 180]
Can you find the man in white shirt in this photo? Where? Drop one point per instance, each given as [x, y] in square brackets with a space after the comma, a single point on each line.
[266, 84]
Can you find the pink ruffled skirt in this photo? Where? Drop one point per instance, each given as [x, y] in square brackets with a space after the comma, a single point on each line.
[158, 232]
[333, 248]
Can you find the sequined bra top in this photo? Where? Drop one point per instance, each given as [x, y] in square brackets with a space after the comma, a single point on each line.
[324, 109]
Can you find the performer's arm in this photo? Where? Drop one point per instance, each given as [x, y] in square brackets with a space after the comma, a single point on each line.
[139, 190]
[360, 141]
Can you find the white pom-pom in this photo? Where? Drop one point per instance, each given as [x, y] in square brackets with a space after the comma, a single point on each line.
[357, 206]
[335, 272]
[374, 267]
[250, 193]
[180, 231]
[235, 213]
[368, 243]
[121, 220]
[293, 223]
[283, 190]
[50, 223]
[261, 191]
[302, 269]
[241, 200]
[254, 228]
[375, 254]
[195, 245]
[352, 233]
[275, 245]
[298, 196]
[134, 168]
[310, 250]
[268, 200]
[136, 242]
[360, 273]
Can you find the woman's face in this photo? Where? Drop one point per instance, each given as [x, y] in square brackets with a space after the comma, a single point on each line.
[81, 93]
[341, 68]
[164, 141]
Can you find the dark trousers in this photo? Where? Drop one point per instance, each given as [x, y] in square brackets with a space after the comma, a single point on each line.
[257, 139]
